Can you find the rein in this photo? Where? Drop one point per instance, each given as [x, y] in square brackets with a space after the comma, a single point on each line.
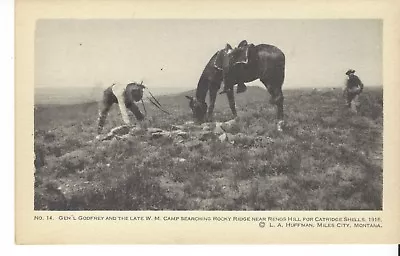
[153, 100]
[158, 106]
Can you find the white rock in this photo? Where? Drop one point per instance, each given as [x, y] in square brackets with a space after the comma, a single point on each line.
[177, 132]
[183, 134]
[160, 134]
[280, 125]
[230, 122]
[230, 138]
[135, 129]
[154, 130]
[228, 125]
[223, 137]
[218, 129]
[120, 130]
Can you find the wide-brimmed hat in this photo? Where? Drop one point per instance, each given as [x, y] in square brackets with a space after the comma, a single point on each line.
[350, 71]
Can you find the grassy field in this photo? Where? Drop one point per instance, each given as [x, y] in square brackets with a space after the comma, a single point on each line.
[327, 158]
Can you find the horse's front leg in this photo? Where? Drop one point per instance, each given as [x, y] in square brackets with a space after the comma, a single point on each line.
[213, 97]
[231, 100]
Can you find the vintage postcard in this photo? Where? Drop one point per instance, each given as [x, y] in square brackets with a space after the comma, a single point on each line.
[168, 122]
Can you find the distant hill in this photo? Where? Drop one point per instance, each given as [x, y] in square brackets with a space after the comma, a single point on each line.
[172, 95]
[76, 95]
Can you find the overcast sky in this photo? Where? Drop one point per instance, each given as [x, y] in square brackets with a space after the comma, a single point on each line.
[173, 53]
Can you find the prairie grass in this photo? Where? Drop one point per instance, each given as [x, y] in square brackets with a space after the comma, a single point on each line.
[326, 159]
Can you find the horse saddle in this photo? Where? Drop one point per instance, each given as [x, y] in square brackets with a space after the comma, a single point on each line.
[240, 55]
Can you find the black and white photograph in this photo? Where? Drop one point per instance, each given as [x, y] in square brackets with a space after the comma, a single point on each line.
[208, 115]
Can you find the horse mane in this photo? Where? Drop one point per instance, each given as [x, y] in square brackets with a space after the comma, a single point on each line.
[205, 80]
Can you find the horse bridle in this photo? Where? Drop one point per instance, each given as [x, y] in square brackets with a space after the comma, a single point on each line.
[153, 100]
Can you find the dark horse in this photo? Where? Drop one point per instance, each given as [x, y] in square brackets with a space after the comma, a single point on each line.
[245, 63]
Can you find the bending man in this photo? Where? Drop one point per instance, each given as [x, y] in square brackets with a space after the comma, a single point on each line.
[125, 96]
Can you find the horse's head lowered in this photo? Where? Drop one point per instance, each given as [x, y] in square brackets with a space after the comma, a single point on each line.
[199, 109]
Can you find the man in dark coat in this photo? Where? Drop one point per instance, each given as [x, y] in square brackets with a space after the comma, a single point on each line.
[353, 89]
[125, 95]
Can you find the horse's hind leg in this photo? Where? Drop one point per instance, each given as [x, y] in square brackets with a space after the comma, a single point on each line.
[275, 90]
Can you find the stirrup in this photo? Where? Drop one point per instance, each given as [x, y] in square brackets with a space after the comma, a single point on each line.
[241, 89]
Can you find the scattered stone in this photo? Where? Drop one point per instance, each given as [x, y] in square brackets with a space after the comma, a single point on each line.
[154, 130]
[177, 133]
[136, 129]
[120, 130]
[206, 135]
[160, 134]
[178, 160]
[177, 127]
[182, 134]
[230, 138]
[223, 137]
[115, 132]
[228, 125]
[280, 125]
[206, 128]
[218, 129]
[126, 136]
[203, 132]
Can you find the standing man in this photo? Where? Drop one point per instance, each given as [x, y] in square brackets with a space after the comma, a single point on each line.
[353, 89]
[125, 96]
